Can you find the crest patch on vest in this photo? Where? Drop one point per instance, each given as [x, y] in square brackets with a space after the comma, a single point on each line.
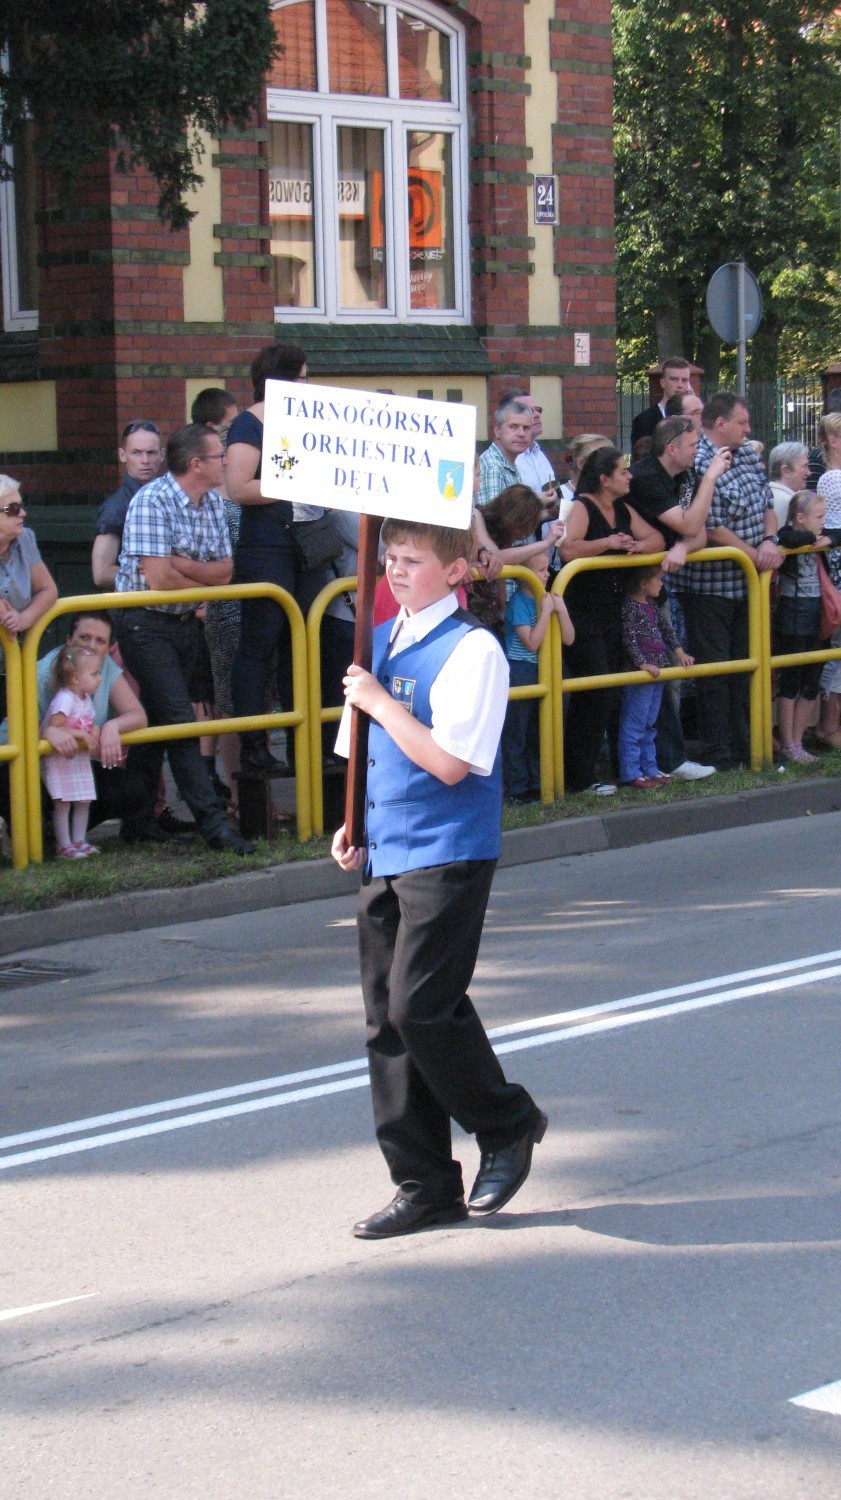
[403, 690]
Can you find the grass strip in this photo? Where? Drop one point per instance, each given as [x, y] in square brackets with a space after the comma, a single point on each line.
[185, 862]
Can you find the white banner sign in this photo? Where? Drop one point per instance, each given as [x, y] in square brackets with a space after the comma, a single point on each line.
[378, 454]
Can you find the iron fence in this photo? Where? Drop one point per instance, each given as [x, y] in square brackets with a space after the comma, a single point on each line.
[782, 411]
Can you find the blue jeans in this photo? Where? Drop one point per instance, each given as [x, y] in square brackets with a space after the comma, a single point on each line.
[640, 707]
[520, 736]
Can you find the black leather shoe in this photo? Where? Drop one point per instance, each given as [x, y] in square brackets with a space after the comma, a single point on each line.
[170, 823]
[234, 843]
[502, 1172]
[145, 833]
[256, 756]
[402, 1217]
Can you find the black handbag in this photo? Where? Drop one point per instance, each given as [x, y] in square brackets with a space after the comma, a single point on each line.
[318, 542]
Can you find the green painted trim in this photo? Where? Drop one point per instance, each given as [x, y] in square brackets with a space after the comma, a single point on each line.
[520, 330]
[115, 258]
[582, 28]
[497, 86]
[245, 133]
[242, 231]
[129, 327]
[502, 267]
[246, 163]
[241, 258]
[580, 65]
[99, 213]
[499, 60]
[584, 132]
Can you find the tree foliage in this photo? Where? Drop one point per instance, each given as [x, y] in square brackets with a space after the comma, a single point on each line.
[727, 120]
[147, 75]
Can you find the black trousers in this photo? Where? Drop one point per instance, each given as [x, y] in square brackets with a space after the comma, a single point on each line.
[161, 652]
[717, 630]
[429, 1055]
[588, 716]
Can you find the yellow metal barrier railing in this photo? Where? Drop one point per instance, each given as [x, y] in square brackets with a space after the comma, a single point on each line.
[771, 661]
[25, 747]
[752, 663]
[319, 715]
[298, 717]
[13, 752]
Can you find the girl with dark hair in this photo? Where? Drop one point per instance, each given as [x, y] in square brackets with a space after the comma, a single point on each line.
[601, 522]
[512, 519]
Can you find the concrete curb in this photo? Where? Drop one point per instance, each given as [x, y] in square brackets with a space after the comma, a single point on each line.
[321, 879]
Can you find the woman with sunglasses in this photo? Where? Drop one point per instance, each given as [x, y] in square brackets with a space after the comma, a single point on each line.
[26, 588]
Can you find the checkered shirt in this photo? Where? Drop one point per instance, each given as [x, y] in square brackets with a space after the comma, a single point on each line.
[741, 499]
[495, 474]
[162, 521]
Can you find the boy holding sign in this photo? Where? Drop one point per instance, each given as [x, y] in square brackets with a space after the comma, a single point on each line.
[436, 697]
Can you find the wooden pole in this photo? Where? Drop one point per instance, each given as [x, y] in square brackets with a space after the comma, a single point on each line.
[369, 536]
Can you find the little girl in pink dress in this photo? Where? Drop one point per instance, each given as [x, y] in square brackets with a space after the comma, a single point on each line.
[69, 778]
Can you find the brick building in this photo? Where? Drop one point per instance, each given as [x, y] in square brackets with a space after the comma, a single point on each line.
[382, 211]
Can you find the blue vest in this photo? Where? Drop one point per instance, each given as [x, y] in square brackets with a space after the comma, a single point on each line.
[413, 820]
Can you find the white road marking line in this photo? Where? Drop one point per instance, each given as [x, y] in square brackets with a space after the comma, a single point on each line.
[359, 1064]
[823, 1398]
[275, 1101]
[21, 1312]
[187, 1101]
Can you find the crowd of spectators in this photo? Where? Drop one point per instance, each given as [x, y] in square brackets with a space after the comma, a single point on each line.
[192, 514]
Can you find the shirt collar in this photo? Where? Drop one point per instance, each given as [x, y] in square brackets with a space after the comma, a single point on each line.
[413, 628]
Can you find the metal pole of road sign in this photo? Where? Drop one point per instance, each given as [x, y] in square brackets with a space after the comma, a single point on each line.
[741, 347]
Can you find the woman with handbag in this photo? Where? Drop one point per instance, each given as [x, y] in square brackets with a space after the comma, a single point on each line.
[280, 543]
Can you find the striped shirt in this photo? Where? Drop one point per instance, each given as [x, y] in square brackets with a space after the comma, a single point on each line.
[162, 521]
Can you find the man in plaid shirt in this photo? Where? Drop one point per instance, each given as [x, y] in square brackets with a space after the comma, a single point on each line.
[175, 537]
[714, 594]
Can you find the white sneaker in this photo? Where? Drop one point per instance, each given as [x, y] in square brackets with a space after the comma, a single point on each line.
[690, 770]
[602, 789]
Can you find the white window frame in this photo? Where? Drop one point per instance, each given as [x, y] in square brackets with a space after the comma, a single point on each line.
[326, 112]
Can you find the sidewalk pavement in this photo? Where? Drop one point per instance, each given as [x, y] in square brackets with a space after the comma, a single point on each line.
[286, 885]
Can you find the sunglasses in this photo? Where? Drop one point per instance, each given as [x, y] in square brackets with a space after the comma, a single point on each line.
[14, 508]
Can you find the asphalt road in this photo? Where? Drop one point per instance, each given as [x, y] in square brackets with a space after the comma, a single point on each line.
[186, 1142]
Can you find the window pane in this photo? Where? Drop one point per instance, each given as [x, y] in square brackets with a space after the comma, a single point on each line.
[290, 205]
[431, 269]
[356, 47]
[362, 278]
[26, 233]
[424, 59]
[294, 26]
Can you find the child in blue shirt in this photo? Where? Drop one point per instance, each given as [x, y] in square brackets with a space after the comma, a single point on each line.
[526, 624]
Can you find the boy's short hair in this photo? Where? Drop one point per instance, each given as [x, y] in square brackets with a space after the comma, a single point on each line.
[448, 543]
